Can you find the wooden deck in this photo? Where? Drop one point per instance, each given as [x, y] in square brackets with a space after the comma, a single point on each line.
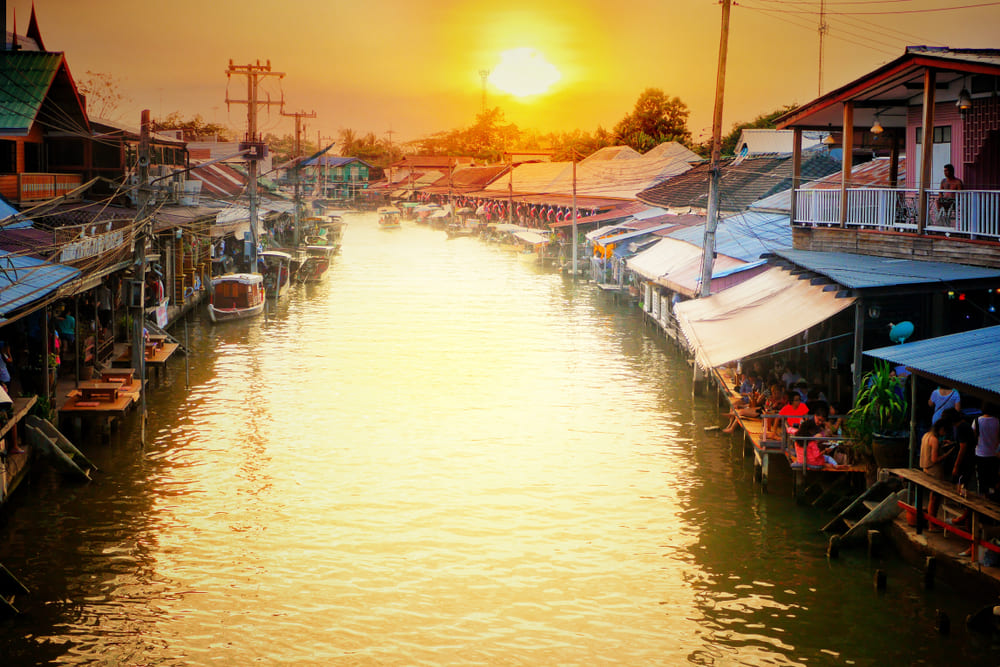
[755, 431]
[14, 466]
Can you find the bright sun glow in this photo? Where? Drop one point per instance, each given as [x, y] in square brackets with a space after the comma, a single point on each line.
[523, 72]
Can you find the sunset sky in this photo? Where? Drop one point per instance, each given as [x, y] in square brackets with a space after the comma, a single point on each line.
[413, 65]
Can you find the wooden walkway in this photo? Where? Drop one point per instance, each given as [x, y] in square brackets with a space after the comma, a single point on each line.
[979, 508]
[764, 447]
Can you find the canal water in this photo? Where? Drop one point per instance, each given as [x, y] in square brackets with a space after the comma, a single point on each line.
[442, 455]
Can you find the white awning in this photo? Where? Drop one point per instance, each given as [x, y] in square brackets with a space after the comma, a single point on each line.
[664, 257]
[533, 238]
[746, 318]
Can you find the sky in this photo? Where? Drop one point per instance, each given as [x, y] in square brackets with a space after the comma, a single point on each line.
[412, 66]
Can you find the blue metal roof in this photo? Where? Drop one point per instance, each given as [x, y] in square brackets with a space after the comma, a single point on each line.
[630, 234]
[746, 235]
[332, 161]
[6, 210]
[971, 358]
[27, 279]
[868, 271]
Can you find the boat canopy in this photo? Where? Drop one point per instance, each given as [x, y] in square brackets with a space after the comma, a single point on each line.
[534, 238]
[245, 278]
[277, 254]
[746, 318]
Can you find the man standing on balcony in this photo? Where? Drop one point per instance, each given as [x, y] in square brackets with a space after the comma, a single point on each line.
[946, 202]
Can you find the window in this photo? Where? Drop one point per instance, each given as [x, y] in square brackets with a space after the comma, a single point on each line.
[34, 158]
[942, 135]
[8, 157]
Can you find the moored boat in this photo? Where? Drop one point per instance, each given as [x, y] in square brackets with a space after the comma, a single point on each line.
[388, 217]
[315, 263]
[236, 296]
[277, 272]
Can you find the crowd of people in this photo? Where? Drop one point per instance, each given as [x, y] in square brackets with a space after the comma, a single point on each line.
[962, 450]
[787, 403]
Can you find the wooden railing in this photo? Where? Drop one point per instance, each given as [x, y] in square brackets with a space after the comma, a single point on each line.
[23, 188]
[971, 213]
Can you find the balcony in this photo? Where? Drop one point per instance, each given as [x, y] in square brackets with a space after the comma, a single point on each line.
[973, 214]
[27, 188]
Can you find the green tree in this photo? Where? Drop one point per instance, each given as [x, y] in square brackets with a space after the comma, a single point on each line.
[194, 128]
[656, 118]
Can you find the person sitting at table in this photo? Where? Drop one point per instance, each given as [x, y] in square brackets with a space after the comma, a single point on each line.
[749, 405]
[811, 453]
[794, 411]
[772, 406]
[934, 451]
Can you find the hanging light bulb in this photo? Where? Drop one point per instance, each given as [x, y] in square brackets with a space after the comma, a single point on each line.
[964, 102]
[877, 128]
[829, 140]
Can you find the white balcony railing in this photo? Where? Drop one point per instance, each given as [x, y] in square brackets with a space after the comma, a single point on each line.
[972, 213]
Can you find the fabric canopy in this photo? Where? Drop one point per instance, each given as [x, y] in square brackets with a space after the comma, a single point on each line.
[753, 315]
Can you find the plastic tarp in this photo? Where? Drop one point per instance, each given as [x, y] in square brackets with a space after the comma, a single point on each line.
[664, 257]
[746, 318]
[534, 238]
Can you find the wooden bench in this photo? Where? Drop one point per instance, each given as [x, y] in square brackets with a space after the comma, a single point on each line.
[978, 505]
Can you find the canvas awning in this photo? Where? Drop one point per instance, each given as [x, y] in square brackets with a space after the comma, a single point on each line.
[753, 315]
[534, 238]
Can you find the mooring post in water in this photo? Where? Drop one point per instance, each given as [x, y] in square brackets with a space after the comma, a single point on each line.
[943, 622]
[873, 542]
[930, 570]
[880, 581]
[833, 547]
[187, 356]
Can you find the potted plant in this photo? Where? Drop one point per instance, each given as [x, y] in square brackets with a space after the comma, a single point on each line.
[877, 424]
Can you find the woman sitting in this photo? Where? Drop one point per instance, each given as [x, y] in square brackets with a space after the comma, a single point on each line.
[812, 454]
[794, 411]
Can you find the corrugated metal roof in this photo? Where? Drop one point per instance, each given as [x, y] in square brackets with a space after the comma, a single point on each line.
[24, 280]
[617, 178]
[869, 271]
[971, 358]
[625, 235]
[759, 141]
[741, 184]
[28, 76]
[332, 161]
[746, 235]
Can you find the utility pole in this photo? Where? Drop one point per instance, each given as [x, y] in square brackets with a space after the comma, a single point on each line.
[298, 116]
[137, 293]
[713, 185]
[390, 132]
[510, 189]
[257, 148]
[823, 28]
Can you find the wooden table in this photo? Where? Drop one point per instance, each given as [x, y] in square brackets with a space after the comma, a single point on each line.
[978, 504]
[121, 375]
[99, 391]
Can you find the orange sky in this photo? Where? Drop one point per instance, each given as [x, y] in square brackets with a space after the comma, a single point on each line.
[412, 65]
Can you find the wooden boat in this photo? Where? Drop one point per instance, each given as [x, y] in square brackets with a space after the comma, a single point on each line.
[57, 448]
[324, 230]
[388, 217]
[277, 272]
[236, 296]
[315, 263]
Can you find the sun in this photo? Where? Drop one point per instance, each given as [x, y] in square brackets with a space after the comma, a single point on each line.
[524, 72]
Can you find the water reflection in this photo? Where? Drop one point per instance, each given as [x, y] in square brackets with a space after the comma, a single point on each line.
[438, 455]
